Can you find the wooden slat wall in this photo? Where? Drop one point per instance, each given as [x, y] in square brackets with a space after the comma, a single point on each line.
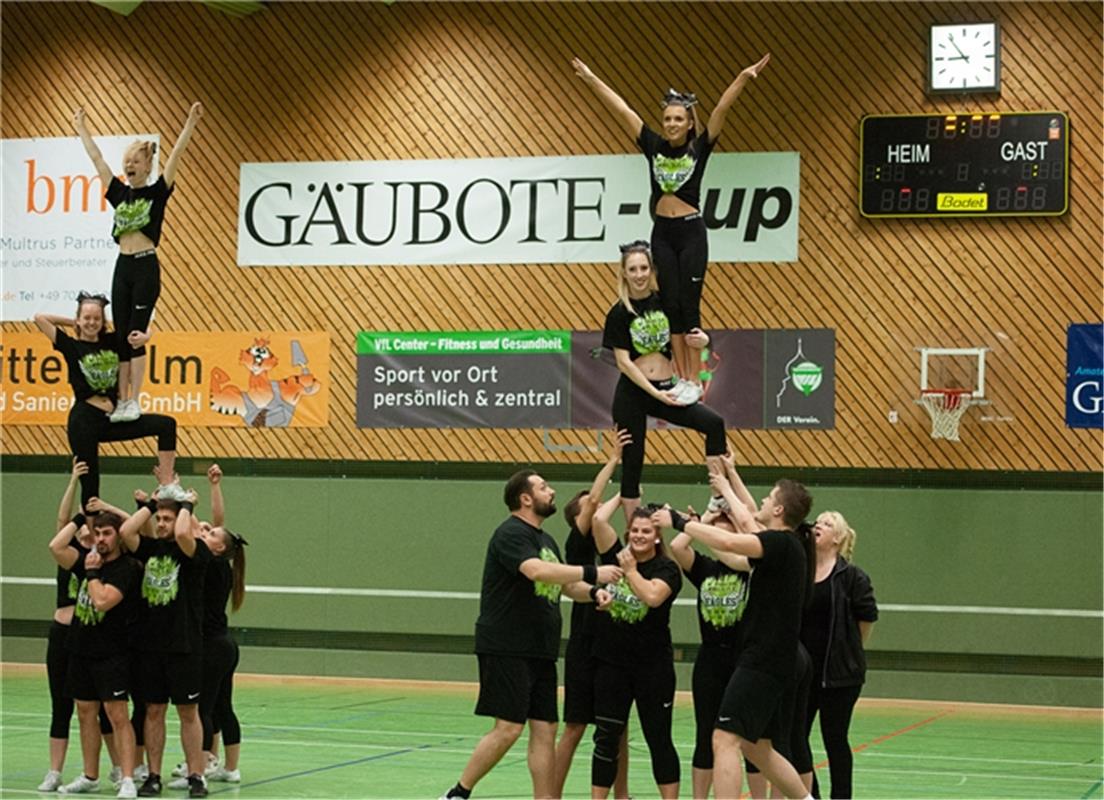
[330, 82]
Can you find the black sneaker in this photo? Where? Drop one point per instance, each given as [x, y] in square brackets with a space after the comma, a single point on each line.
[151, 786]
[197, 787]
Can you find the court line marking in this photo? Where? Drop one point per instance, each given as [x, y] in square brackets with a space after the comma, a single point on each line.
[1092, 790]
[419, 594]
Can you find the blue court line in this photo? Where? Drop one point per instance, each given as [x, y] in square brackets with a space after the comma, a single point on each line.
[1092, 790]
[343, 764]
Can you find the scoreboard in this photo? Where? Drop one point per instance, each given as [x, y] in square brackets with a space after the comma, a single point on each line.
[964, 165]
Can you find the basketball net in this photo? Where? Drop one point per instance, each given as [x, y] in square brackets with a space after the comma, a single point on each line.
[946, 407]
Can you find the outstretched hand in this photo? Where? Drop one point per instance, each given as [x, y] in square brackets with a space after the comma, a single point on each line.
[79, 468]
[214, 474]
[195, 112]
[754, 70]
[581, 69]
[78, 117]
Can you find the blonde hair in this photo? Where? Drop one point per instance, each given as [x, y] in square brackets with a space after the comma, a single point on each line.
[623, 282]
[144, 145]
[842, 531]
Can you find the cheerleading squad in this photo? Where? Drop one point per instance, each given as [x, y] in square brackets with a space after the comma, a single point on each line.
[783, 613]
[141, 614]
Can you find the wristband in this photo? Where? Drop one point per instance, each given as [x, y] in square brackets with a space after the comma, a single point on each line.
[151, 504]
[92, 574]
[79, 520]
[678, 521]
[594, 593]
[186, 506]
[590, 573]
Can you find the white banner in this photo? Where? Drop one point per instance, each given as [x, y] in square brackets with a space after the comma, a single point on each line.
[567, 209]
[56, 234]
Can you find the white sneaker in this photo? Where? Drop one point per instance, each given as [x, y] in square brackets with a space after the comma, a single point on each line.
[81, 785]
[718, 504]
[220, 773]
[116, 776]
[127, 789]
[174, 491]
[126, 411]
[180, 770]
[141, 772]
[51, 782]
[179, 783]
[691, 392]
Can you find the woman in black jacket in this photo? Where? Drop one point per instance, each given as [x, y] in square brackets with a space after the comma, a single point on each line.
[835, 627]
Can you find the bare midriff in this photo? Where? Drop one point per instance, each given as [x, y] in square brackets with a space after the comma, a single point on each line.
[135, 242]
[670, 205]
[655, 366]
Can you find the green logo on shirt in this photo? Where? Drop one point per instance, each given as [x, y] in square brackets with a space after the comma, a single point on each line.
[650, 332]
[549, 591]
[626, 606]
[723, 600]
[100, 369]
[85, 611]
[672, 173]
[132, 216]
[73, 587]
[160, 585]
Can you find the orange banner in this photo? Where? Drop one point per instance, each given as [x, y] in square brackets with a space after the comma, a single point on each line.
[275, 379]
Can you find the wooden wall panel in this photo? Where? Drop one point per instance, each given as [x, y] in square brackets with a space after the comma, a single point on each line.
[351, 81]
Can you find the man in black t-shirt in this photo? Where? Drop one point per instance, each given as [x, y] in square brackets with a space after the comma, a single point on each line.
[99, 671]
[169, 633]
[517, 634]
[750, 717]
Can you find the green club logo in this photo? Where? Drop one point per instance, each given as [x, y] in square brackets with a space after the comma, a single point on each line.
[549, 591]
[626, 606]
[159, 584]
[85, 611]
[74, 587]
[100, 369]
[671, 173]
[723, 599]
[807, 376]
[650, 332]
[132, 216]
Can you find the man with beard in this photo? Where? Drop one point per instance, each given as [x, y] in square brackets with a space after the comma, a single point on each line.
[517, 634]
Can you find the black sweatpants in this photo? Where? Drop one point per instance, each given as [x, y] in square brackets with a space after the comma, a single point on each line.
[835, 707]
[680, 251]
[651, 685]
[216, 703]
[135, 287]
[89, 426]
[712, 671]
[57, 667]
[631, 408]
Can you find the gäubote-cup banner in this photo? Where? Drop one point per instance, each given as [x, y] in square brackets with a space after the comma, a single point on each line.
[781, 379]
[257, 379]
[56, 236]
[558, 209]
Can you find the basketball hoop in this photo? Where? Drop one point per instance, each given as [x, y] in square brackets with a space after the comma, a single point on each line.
[946, 407]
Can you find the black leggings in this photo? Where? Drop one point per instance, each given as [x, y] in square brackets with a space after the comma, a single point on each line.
[712, 671]
[216, 703]
[651, 685]
[135, 287]
[835, 707]
[631, 408]
[57, 665]
[89, 426]
[680, 250]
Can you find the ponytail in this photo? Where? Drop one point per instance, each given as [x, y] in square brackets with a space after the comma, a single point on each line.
[808, 541]
[235, 551]
[844, 532]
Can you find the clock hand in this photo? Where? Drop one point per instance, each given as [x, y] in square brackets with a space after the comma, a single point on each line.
[950, 38]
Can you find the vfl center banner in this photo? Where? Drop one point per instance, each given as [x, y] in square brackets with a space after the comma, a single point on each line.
[226, 379]
[563, 209]
[56, 237]
[1085, 376]
[782, 379]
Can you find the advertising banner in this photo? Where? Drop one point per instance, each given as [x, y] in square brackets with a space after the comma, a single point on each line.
[275, 379]
[565, 379]
[1085, 376]
[56, 237]
[560, 209]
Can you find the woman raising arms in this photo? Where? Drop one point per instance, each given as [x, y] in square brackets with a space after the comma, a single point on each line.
[676, 163]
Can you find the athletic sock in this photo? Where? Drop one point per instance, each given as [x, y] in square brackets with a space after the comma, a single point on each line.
[459, 791]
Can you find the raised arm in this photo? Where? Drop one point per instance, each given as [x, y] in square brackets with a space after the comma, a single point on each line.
[184, 530]
[96, 505]
[218, 507]
[131, 529]
[173, 164]
[737, 482]
[717, 118]
[633, 373]
[48, 324]
[682, 551]
[60, 548]
[716, 539]
[593, 499]
[605, 536]
[90, 147]
[65, 508]
[629, 120]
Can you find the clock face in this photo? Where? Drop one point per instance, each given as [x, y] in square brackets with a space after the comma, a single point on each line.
[964, 57]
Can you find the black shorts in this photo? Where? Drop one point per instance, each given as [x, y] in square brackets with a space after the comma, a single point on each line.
[170, 676]
[517, 689]
[103, 679]
[579, 667]
[752, 706]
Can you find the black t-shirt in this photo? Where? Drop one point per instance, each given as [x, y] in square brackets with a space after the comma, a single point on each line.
[172, 593]
[772, 618]
[66, 584]
[579, 550]
[645, 332]
[141, 209]
[93, 366]
[217, 583]
[517, 616]
[630, 631]
[98, 634]
[722, 597]
[675, 170]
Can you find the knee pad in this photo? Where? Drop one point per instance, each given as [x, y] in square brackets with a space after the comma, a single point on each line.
[607, 738]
